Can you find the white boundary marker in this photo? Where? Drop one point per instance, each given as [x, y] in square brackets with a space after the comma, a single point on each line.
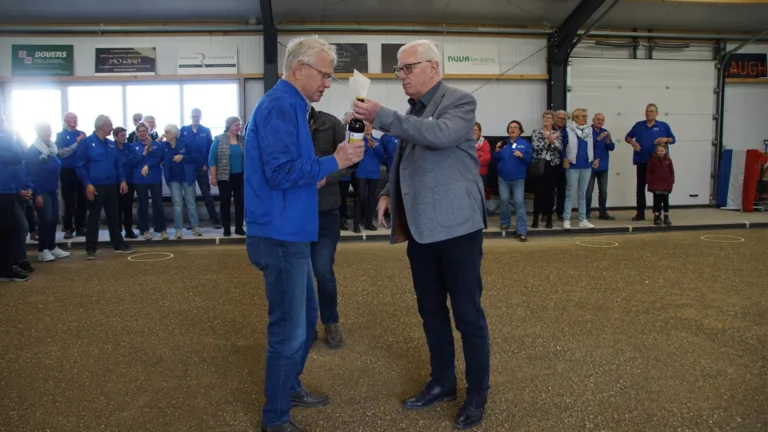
[170, 255]
[709, 238]
[605, 243]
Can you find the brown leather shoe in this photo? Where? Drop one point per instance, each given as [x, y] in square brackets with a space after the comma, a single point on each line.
[333, 336]
[289, 426]
[305, 399]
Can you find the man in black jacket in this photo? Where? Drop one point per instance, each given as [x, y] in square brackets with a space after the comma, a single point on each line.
[327, 133]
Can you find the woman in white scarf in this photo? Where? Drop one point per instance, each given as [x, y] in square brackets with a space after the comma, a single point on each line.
[579, 151]
[43, 167]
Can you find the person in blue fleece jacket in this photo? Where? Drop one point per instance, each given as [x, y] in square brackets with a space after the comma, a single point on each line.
[125, 201]
[43, 168]
[100, 169]
[367, 175]
[180, 168]
[604, 144]
[72, 190]
[11, 163]
[147, 155]
[512, 156]
[282, 175]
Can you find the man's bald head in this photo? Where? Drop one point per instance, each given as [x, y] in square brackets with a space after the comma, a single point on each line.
[598, 120]
[70, 120]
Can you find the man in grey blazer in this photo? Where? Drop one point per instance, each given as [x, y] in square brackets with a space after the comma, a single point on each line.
[435, 196]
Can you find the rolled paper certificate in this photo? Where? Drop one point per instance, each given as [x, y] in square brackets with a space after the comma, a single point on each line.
[358, 86]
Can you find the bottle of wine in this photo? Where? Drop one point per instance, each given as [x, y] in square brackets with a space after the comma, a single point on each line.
[356, 131]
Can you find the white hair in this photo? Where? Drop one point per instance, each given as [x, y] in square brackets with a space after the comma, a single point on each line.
[304, 49]
[172, 129]
[426, 51]
[149, 117]
[40, 126]
[101, 120]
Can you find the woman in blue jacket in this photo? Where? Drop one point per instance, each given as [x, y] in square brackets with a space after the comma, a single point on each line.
[512, 157]
[43, 167]
[226, 167]
[11, 164]
[180, 168]
[125, 201]
[367, 174]
[578, 161]
[146, 158]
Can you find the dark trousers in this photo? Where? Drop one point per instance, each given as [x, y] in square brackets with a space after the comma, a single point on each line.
[323, 253]
[365, 200]
[49, 219]
[641, 169]
[562, 187]
[125, 208]
[452, 268]
[8, 229]
[660, 201]
[158, 215]
[20, 235]
[29, 212]
[106, 198]
[292, 310]
[227, 190]
[344, 191]
[73, 194]
[544, 198]
[602, 187]
[204, 183]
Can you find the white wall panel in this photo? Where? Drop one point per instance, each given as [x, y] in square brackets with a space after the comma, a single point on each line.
[249, 50]
[621, 89]
[746, 110]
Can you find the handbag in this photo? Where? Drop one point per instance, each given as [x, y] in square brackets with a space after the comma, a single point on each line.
[536, 169]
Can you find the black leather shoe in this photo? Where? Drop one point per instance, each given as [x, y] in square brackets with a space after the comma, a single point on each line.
[430, 395]
[289, 426]
[471, 413]
[305, 399]
[333, 336]
[606, 216]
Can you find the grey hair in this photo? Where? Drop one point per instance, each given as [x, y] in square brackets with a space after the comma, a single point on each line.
[426, 50]
[549, 113]
[303, 50]
[101, 120]
[172, 128]
[652, 105]
[40, 125]
[230, 121]
[149, 117]
[562, 112]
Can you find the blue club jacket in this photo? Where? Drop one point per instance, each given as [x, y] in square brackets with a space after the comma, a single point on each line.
[509, 166]
[369, 166]
[388, 145]
[154, 158]
[281, 168]
[645, 136]
[200, 142]
[99, 162]
[11, 164]
[184, 171]
[64, 140]
[602, 150]
[43, 172]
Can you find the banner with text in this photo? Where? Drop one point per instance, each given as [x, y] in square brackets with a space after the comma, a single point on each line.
[471, 59]
[42, 60]
[125, 61]
[207, 59]
[746, 66]
[351, 56]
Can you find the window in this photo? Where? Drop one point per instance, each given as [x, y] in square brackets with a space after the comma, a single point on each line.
[91, 101]
[216, 101]
[30, 106]
[160, 101]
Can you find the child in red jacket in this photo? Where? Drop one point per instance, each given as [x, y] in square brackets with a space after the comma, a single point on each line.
[660, 176]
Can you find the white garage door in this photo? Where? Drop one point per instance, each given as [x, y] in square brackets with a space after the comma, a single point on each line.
[621, 89]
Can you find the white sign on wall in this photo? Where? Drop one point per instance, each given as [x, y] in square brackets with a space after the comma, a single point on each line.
[471, 59]
[207, 59]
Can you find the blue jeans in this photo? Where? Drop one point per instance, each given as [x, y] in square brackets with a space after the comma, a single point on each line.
[204, 182]
[518, 195]
[577, 182]
[323, 254]
[292, 308]
[158, 216]
[48, 218]
[177, 190]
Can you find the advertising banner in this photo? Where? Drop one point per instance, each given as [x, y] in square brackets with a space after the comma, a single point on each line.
[42, 60]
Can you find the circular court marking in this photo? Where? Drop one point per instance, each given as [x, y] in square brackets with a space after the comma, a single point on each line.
[722, 238]
[597, 243]
[164, 256]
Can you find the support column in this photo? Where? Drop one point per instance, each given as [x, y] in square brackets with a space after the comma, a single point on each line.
[270, 45]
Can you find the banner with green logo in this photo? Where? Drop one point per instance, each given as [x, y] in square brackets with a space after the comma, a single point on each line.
[43, 60]
[471, 59]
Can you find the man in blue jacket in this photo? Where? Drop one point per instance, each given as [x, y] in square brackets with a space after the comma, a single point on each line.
[11, 159]
[282, 175]
[643, 137]
[100, 169]
[603, 144]
[72, 191]
[202, 140]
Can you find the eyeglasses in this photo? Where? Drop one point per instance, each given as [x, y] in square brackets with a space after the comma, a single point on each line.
[326, 76]
[408, 68]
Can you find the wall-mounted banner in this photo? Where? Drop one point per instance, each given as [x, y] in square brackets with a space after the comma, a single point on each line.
[125, 61]
[42, 60]
[746, 66]
[350, 57]
[389, 56]
[207, 59]
[471, 59]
